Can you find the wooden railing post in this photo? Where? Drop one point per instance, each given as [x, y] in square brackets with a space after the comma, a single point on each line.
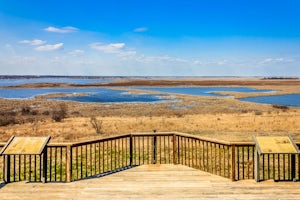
[69, 164]
[7, 169]
[233, 162]
[45, 159]
[178, 150]
[257, 166]
[3, 166]
[174, 149]
[298, 166]
[293, 167]
[131, 150]
[154, 150]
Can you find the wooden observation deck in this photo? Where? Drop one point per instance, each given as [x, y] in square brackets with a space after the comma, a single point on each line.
[149, 166]
[165, 181]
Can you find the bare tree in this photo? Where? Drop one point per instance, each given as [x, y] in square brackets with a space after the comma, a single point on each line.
[58, 114]
[97, 125]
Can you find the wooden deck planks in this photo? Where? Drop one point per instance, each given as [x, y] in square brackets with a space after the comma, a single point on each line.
[154, 182]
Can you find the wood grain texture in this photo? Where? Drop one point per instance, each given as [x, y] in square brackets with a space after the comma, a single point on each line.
[26, 145]
[154, 182]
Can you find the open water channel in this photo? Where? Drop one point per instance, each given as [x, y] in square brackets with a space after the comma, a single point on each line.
[106, 95]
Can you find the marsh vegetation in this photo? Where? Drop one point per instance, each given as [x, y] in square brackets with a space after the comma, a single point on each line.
[214, 117]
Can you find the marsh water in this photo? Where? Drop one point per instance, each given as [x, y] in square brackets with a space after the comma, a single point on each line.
[106, 95]
[20, 81]
[286, 100]
[100, 95]
[202, 91]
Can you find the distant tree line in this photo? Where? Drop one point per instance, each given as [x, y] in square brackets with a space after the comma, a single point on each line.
[275, 77]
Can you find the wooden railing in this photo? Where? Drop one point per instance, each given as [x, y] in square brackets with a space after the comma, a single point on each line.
[100, 156]
[210, 156]
[75, 161]
[56, 162]
[1, 163]
[243, 161]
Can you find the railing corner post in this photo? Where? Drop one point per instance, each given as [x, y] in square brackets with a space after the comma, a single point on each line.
[69, 164]
[154, 149]
[7, 168]
[131, 150]
[174, 149]
[45, 159]
[233, 162]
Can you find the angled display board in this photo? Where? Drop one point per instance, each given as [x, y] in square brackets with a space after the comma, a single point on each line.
[25, 146]
[277, 145]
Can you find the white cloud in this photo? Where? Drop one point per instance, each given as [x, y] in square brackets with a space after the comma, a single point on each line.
[67, 29]
[50, 47]
[217, 62]
[34, 42]
[140, 29]
[83, 62]
[127, 53]
[76, 52]
[162, 60]
[275, 60]
[114, 48]
[108, 48]
[197, 62]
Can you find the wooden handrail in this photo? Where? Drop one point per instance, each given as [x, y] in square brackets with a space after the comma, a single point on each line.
[59, 144]
[99, 140]
[74, 161]
[217, 141]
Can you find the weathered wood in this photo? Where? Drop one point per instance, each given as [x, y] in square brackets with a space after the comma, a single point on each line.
[131, 150]
[69, 164]
[174, 149]
[103, 155]
[233, 163]
[154, 182]
[7, 169]
[154, 150]
[257, 164]
[293, 167]
[45, 166]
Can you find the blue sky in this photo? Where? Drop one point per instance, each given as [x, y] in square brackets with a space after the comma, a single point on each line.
[150, 38]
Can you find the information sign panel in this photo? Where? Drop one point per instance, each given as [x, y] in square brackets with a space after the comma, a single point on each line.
[25, 146]
[275, 145]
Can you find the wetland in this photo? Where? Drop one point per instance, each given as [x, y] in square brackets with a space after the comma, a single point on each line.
[220, 108]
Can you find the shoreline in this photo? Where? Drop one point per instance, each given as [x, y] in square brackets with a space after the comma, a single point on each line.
[169, 82]
[215, 117]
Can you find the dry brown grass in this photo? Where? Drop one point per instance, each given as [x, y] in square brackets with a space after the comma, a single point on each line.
[232, 127]
[222, 118]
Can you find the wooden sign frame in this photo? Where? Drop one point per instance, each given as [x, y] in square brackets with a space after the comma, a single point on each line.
[25, 146]
[275, 145]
